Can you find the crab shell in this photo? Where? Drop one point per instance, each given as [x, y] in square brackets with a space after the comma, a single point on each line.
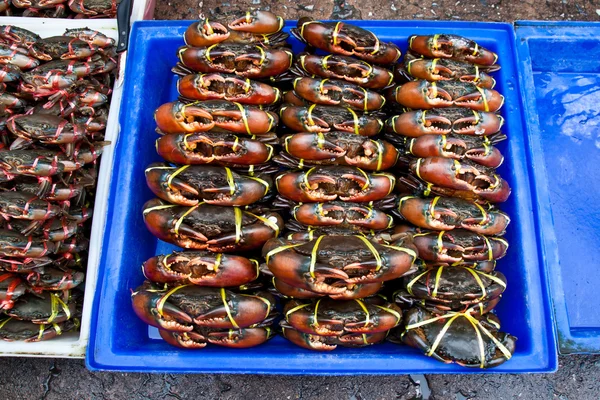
[440, 69]
[234, 338]
[178, 309]
[445, 121]
[249, 61]
[341, 148]
[329, 343]
[46, 278]
[478, 150]
[453, 47]
[209, 227]
[338, 213]
[320, 184]
[219, 86]
[422, 94]
[327, 264]
[213, 148]
[61, 47]
[12, 329]
[326, 317]
[345, 68]
[346, 39]
[337, 92]
[455, 286]
[13, 244]
[189, 185]
[201, 268]
[44, 308]
[476, 181]
[26, 206]
[201, 116]
[405, 301]
[318, 118]
[466, 340]
[459, 245]
[255, 23]
[446, 213]
[352, 291]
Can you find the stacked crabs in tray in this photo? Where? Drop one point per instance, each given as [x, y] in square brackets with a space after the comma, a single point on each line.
[368, 214]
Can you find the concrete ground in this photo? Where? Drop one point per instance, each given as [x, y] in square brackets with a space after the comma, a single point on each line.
[577, 377]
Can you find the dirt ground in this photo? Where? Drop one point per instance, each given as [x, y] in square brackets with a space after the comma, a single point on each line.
[482, 10]
[577, 377]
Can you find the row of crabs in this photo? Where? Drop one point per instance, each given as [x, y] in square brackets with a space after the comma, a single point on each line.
[216, 192]
[77, 9]
[53, 112]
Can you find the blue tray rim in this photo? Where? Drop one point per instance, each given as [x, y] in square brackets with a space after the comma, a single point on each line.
[567, 341]
[543, 362]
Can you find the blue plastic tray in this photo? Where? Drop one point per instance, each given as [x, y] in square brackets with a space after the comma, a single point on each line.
[120, 341]
[560, 64]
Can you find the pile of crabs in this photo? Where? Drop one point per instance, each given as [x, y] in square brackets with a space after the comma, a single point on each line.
[367, 215]
[53, 112]
[76, 9]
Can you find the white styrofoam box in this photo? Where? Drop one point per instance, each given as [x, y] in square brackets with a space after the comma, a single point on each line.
[73, 344]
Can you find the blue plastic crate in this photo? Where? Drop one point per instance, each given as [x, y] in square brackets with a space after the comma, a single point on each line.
[560, 64]
[120, 341]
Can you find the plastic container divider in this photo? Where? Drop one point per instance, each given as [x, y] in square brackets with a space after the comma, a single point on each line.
[560, 64]
[121, 342]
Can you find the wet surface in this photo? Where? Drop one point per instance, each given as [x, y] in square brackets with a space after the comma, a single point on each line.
[68, 379]
[576, 379]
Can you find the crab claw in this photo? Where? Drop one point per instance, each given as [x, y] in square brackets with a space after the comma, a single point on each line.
[488, 156]
[146, 305]
[356, 291]
[248, 120]
[420, 212]
[305, 340]
[315, 214]
[204, 33]
[418, 123]
[186, 340]
[177, 117]
[480, 123]
[236, 311]
[240, 338]
[438, 146]
[316, 179]
[491, 224]
[481, 100]
[320, 91]
[492, 249]
[422, 94]
[261, 22]
[161, 181]
[311, 146]
[433, 249]
[301, 119]
[309, 321]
